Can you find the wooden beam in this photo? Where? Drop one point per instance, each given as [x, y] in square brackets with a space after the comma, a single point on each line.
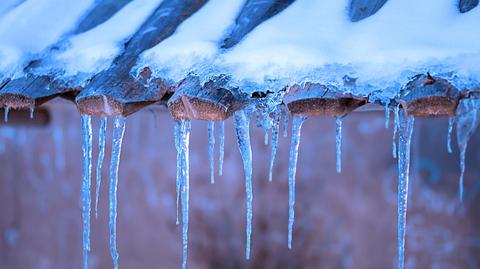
[252, 14]
[425, 95]
[102, 12]
[361, 9]
[115, 91]
[27, 92]
[314, 99]
[465, 6]
[212, 101]
[40, 117]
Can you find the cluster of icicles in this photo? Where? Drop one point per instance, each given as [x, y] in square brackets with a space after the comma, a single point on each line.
[467, 121]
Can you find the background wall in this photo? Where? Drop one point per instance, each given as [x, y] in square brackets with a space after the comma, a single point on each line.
[343, 220]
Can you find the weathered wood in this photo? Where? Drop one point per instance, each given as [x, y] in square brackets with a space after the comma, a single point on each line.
[27, 92]
[115, 91]
[425, 95]
[465, 6]
[253, 13]
[315, 99]
[102, 11]
[212, 101]
[361, 9]
[41, 117]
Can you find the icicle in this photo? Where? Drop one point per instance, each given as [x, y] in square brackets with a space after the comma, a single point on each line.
[86, 182]
[404, 141]
[274, 143]
[5, 113]
[338, 143]
[292, 170]
[182, 138]
[395, 128]
[177, 129]
[211, 149]
[387, 115]
[32, 110]
[101, 155]
[242, 122]
[221, 134]
[118, 131]
[467, 122]
[285, 122]
[451, 121]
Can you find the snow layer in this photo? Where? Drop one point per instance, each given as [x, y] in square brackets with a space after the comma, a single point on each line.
[315, 41]
[33, 26]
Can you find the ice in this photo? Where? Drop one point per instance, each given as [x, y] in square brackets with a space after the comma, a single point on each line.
[6, 109]
[404, 141]
[86, 182]
[265, 138]
[32, 110]
[274, 144]
[242, 130]
[182, 138]
[338, 143]
[395, 128]
[451, 122]
[221, 138]
[387, 115]
[176, 129]
[211, 149]
[117, 137]
[285, 122]
[292, 170]
[101, 155]
[467, 117]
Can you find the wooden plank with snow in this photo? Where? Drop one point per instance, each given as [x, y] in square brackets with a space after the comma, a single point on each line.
[212, 101]
[27, 92]
[426, 95]
[253, 13]
[314, 99]
[115, 91]
[361, 9]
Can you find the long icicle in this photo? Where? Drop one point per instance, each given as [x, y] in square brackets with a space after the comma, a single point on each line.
[221, 146]
[86, 182]
[177, 129]
[242, 122]
[211, 149]
[292, 170]
[5, 113]
[338, 143]
[404, 141]
[451, 122]
[274, 143]
[118, 131]
[285, 122]
[101, 156]
[183, 141]
[395, 128]
[387, 115]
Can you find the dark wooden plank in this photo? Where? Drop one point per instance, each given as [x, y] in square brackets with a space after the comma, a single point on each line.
[425, 95]
[115, 91]
[102, 11]
[252, 14]
[212, 101]
[465, 6]
[361, 9]
[315, 99]
[27, 92]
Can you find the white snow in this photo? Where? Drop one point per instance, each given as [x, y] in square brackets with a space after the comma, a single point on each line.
[33, 26]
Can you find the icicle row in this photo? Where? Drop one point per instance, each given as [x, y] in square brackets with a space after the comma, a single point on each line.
[404, 141]
[292, 170]
[221, 141]
[274, 142]
[86, 182]
[118, 131]
[338, 144]
[242, 122]
[211, 149]
[101, 156]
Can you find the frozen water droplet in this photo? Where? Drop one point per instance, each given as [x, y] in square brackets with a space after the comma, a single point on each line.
[338, 143]
[292, 170]
[101, 155]
[242, 129]
[117, 138]
[86, 182]
[404, 141]
[211, 149]
[221, 141]
[32, 110]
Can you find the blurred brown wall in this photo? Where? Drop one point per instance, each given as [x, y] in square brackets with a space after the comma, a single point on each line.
[343, 220]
